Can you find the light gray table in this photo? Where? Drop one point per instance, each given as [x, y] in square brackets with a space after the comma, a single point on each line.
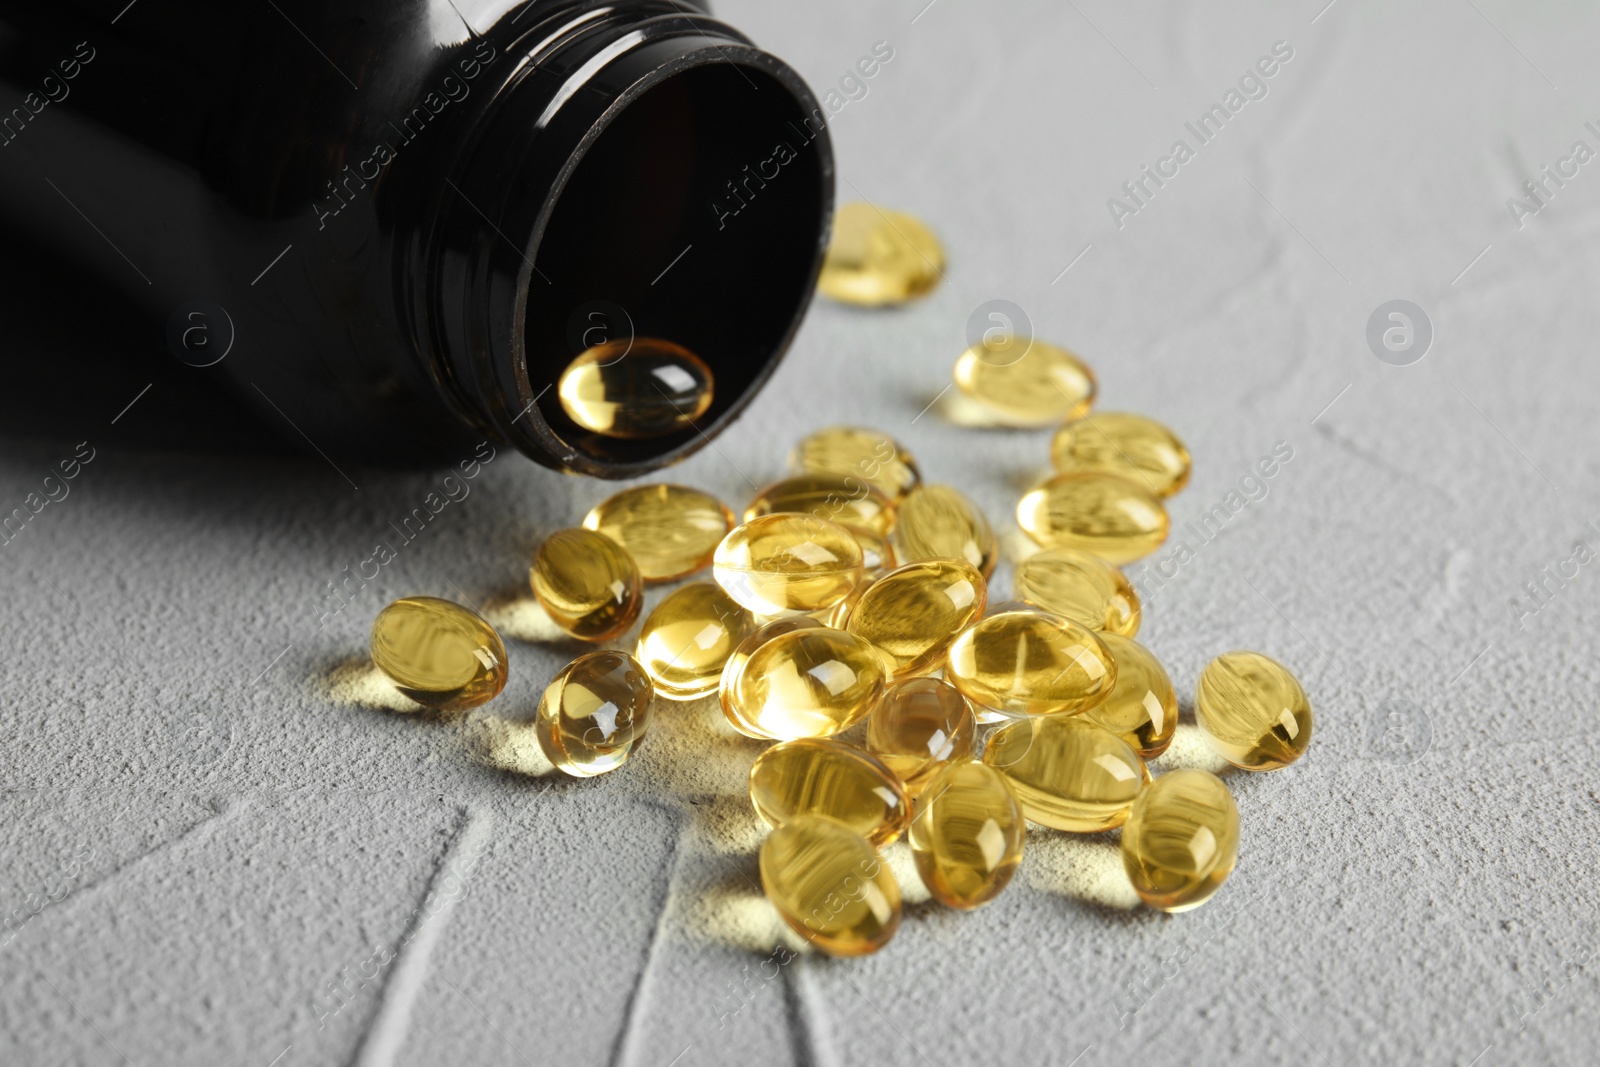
[222, 821]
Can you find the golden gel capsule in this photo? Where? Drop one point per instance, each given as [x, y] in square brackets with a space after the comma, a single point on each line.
[815, 776]
[1080, 586]
[919, 727]
[1253, 711]
[1100, 513]
[967, 835]
[671, 531]
[809, 683]
[851, 451]
[788, 564]
[685, 642]
[989, 716]
[936, 521]
[850, 501]
[438, 653]
[741, 654]
[913, 613]
[1018, 383]
[1030, 663]
[829, 885]
[640, 388]
[879, 257]
[1129, 446]
[594, 713]
[1067, 772]
[587, 583]
[1141, 708]
[1181, 840]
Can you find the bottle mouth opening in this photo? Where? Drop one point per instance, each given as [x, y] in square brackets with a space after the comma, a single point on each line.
[697, 213]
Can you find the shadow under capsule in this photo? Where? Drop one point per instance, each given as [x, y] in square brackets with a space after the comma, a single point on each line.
[724, 904]
[1190, 750]
[355, 681]
[1083, 867]
[516, 613]
[512, 747]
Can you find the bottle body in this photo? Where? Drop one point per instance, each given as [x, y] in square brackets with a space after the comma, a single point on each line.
[391, 224]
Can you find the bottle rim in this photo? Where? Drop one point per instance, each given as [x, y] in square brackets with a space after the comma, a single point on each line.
[527, 197]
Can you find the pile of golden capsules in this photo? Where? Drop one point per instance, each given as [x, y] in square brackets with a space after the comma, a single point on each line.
[848, 621]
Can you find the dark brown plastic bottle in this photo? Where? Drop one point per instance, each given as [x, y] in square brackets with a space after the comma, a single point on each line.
[391, 223]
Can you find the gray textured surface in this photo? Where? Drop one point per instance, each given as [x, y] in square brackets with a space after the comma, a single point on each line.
[233, 823]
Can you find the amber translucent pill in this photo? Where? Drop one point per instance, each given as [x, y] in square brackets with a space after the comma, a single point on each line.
[920, 727]
[1100, 513]
[829, 886]
[847, 500]
[913, 613]
[937, 521]
[1067, 772]
[879, 257]
[1130, 446]
[685, 642]
[1025, 384]
[809, 683]
[967, 835]
[1080, 586]
[1181, 840]
[788, 564]
[988, 716]
[640, 388]
[594, 714]
[1253, 711]
[1030, 663]
[741, 654]
[587, 583]
[823, 777]
[439, 654]
[854, 452]
[671, 531]
[1141, 708]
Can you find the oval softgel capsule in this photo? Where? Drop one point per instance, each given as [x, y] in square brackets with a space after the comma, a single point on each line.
[587, 584]
[1024, 662]
[913, 613]
[671, 531]
[1253, 711]
[438, 653]
[1142, 707]
[642, 387]
[1067, 772]
[813, 776]
[1112, 517]
[594, 713]
[967, 835]
[812, 682]
[788, 564]
[1181, 840]
[1130, 446]
[829, 885]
